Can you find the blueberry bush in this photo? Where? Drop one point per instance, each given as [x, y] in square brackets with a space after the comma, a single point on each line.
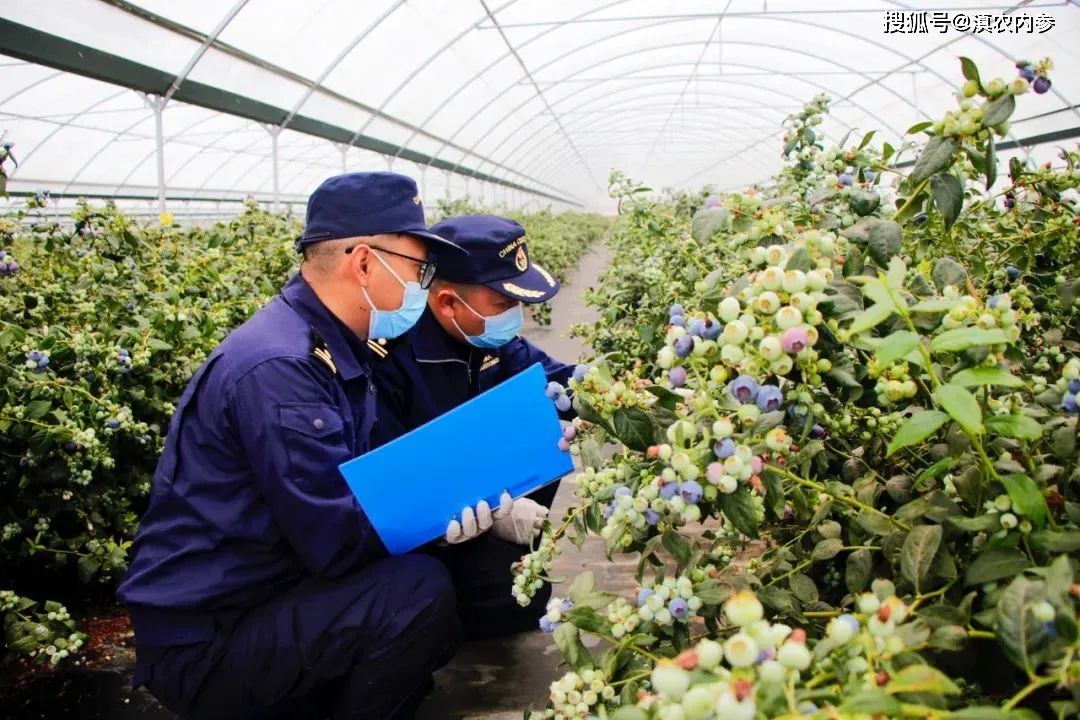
[102, 322]
[844, 413]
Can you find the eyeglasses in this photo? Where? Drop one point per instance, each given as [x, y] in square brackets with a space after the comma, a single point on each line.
[427, 268]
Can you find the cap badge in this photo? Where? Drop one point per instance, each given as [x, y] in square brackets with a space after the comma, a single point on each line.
[416, 199]
[521, 261]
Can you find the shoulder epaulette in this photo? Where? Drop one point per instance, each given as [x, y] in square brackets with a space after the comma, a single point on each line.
[319, 350]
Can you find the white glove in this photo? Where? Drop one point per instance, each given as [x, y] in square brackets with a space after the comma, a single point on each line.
[475, 523]
[522, 523]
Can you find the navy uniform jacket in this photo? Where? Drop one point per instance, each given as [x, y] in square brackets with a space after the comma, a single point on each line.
[426, 373]
[247, 498]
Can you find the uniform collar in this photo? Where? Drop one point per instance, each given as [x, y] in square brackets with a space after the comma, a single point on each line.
[433, 344]
[348, 352]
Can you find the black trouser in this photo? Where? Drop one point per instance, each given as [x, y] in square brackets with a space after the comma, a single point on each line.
[362, 646]
[483, 581]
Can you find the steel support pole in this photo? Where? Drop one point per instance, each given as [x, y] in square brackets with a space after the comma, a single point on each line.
[275, 131]
[158, 105]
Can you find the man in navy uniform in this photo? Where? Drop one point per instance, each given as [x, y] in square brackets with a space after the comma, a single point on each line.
[467, 342]
[258, 588]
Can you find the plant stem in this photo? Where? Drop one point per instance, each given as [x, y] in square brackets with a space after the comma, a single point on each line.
[842, 498]
[1035, 684]
[911, 198]
[627, 681]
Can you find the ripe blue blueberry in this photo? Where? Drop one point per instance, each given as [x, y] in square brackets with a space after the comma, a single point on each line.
[548, 626]
[712, 330]
[34, 355]
[696, 327]
[623, 490]
[678, 608]
[652, 517]
[845, 179]
[677, 376]
[817, 432]
[1074, 387]
[769, 398]
[1027, 72]
[1041, 85]
[992, 303]
[675, 310]
[870, 175]
[643, 596]
[684, 346]
[563, 403]
[724, 449]
[579, 372]
[1010, 202]
[677, 320]
[112, 423]
[668, 490]
[609, 510]
[1012, 271]
[744, 388]
[690, 491]
[1069, 404]
[920, 218]
[567, 605]
[2, 254]
[553, 388]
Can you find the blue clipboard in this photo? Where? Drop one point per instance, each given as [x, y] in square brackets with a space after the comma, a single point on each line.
[503, 439]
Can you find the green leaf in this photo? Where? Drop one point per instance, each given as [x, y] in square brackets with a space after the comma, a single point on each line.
[1056, 541]
[583, 585]
[739, 508]
[799, 260]
[982, 523]
[678, 546]
[860, 565]
[634, 428]
[1020, 427]
[853, 263]
[1019, 633]
[1026, 498]
[995, 563]
[917, 428]
[918, 127]
[827, 549]
[886, 241]
[873, 701]
[998, 111]
[864, 202]
[921, 679]
[970, 70]
[968, 337]
[866, 139]
[585, 618]
[1063, 442]
[867, 319]
[590, 454]
[917, 554]
[989, 712]
[935, 305]
[665, 398]
[1070, 290]
[803, 588]
[948, 272]
[37, 409]
[896, 346]
[88, 567]
[986, 376]
[949, 637]
[991, 162]
[948, 193]
[961, 406]
[568, 640]
[935, 156]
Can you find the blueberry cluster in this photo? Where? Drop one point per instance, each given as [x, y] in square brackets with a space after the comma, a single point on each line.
[8, 265]
[1040, 83]
[37, 361]
[557, 392]
[123, 359]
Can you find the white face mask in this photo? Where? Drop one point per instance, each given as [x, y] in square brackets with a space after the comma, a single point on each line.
[498, 329]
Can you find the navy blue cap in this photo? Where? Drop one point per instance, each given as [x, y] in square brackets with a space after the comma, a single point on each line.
[497, 257]
[368, 203]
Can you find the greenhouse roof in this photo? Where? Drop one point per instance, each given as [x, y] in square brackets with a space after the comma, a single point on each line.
[520, 101]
